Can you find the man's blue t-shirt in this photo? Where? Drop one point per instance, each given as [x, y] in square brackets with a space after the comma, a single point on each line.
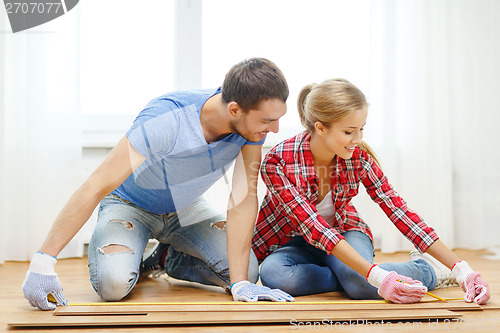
[180, 166]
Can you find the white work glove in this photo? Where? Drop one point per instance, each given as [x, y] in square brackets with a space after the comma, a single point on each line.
[41, 280]
[394, 287]
[249, 292]
[475, 287]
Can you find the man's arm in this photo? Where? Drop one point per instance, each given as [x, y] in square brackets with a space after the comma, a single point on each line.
[113, 171]
[41, 279]
[240, 225]
[242, 211]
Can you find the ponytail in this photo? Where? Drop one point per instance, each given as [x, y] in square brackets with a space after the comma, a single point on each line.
[364, 146]
[301, 104]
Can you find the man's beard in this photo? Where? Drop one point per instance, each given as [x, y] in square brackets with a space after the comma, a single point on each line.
[238, 127]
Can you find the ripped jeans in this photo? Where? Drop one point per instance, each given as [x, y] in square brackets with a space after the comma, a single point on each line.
[197, 252]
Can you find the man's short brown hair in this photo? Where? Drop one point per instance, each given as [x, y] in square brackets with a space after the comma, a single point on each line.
[252, 81]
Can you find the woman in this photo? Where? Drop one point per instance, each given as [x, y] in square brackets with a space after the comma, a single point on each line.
[310, 238]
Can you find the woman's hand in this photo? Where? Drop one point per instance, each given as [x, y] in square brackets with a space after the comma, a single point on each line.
[394, 287]
[475, 287]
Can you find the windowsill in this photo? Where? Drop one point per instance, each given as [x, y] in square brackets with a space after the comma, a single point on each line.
[104, 131]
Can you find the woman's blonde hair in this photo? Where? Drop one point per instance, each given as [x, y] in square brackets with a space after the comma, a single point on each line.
[329, 102]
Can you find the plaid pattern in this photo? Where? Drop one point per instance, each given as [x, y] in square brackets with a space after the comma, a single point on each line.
[289, 207]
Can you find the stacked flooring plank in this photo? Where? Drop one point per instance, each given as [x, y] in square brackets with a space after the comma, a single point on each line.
[135, 315]
[222, 313]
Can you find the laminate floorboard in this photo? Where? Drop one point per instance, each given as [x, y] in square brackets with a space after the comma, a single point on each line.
[130, 308]
[228, 317]
[73, 274]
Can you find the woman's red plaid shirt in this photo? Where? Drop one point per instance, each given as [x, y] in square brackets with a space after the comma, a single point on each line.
[289, 207]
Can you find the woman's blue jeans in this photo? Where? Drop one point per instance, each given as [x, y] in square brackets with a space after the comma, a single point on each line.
[299, 268]
[197, 252]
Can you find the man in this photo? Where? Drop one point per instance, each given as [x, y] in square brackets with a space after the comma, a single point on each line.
[151, 186]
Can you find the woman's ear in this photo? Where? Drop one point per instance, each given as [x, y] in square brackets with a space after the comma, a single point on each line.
[319, 128]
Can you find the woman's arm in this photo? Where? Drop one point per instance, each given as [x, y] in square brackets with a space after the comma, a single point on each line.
[349, 256]
[442, 253]
[475, 287]
[409, 223]
[419, 233]
[391, 286]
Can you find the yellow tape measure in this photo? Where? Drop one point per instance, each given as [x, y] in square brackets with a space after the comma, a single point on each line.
[244, 303]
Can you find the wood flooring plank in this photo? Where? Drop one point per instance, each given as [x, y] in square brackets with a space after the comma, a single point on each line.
[73, 274]
[493, 304]
[236, 307]
[43, 319]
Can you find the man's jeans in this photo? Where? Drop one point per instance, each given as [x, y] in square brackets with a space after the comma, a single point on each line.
[299, 268]
[197, 252]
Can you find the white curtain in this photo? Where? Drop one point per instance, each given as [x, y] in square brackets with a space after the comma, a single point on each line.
[429, 68]
[40, 136]
[434, 108]
[430, 71]
[475, 114]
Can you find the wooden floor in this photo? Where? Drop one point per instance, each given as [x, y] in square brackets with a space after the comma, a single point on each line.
[73, 275]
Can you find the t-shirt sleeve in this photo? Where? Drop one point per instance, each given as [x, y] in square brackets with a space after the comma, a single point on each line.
[155, 129]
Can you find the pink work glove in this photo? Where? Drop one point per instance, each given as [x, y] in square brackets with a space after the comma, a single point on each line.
[394, 287]
[475, 287]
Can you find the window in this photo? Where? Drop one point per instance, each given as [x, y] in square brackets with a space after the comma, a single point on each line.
[309, 40]
[126, 64]
[126, 60]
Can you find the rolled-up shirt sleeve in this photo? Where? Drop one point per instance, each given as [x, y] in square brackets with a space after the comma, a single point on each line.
[394, 206]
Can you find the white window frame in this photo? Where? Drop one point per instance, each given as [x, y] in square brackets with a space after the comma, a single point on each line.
[104, 130]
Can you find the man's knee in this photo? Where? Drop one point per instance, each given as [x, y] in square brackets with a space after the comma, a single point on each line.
[114, 248]
[113, 279]
[114, 286]
[112, 290]
[221, 225]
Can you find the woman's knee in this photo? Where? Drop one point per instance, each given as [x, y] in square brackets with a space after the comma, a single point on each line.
[253, 268]
[356, 286]
[274, 274]
[268, 272]
[365, 291]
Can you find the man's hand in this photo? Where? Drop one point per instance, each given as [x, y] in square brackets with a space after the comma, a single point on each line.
[249, 292]
[394, 287]
[41, 280]
[475, 287]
